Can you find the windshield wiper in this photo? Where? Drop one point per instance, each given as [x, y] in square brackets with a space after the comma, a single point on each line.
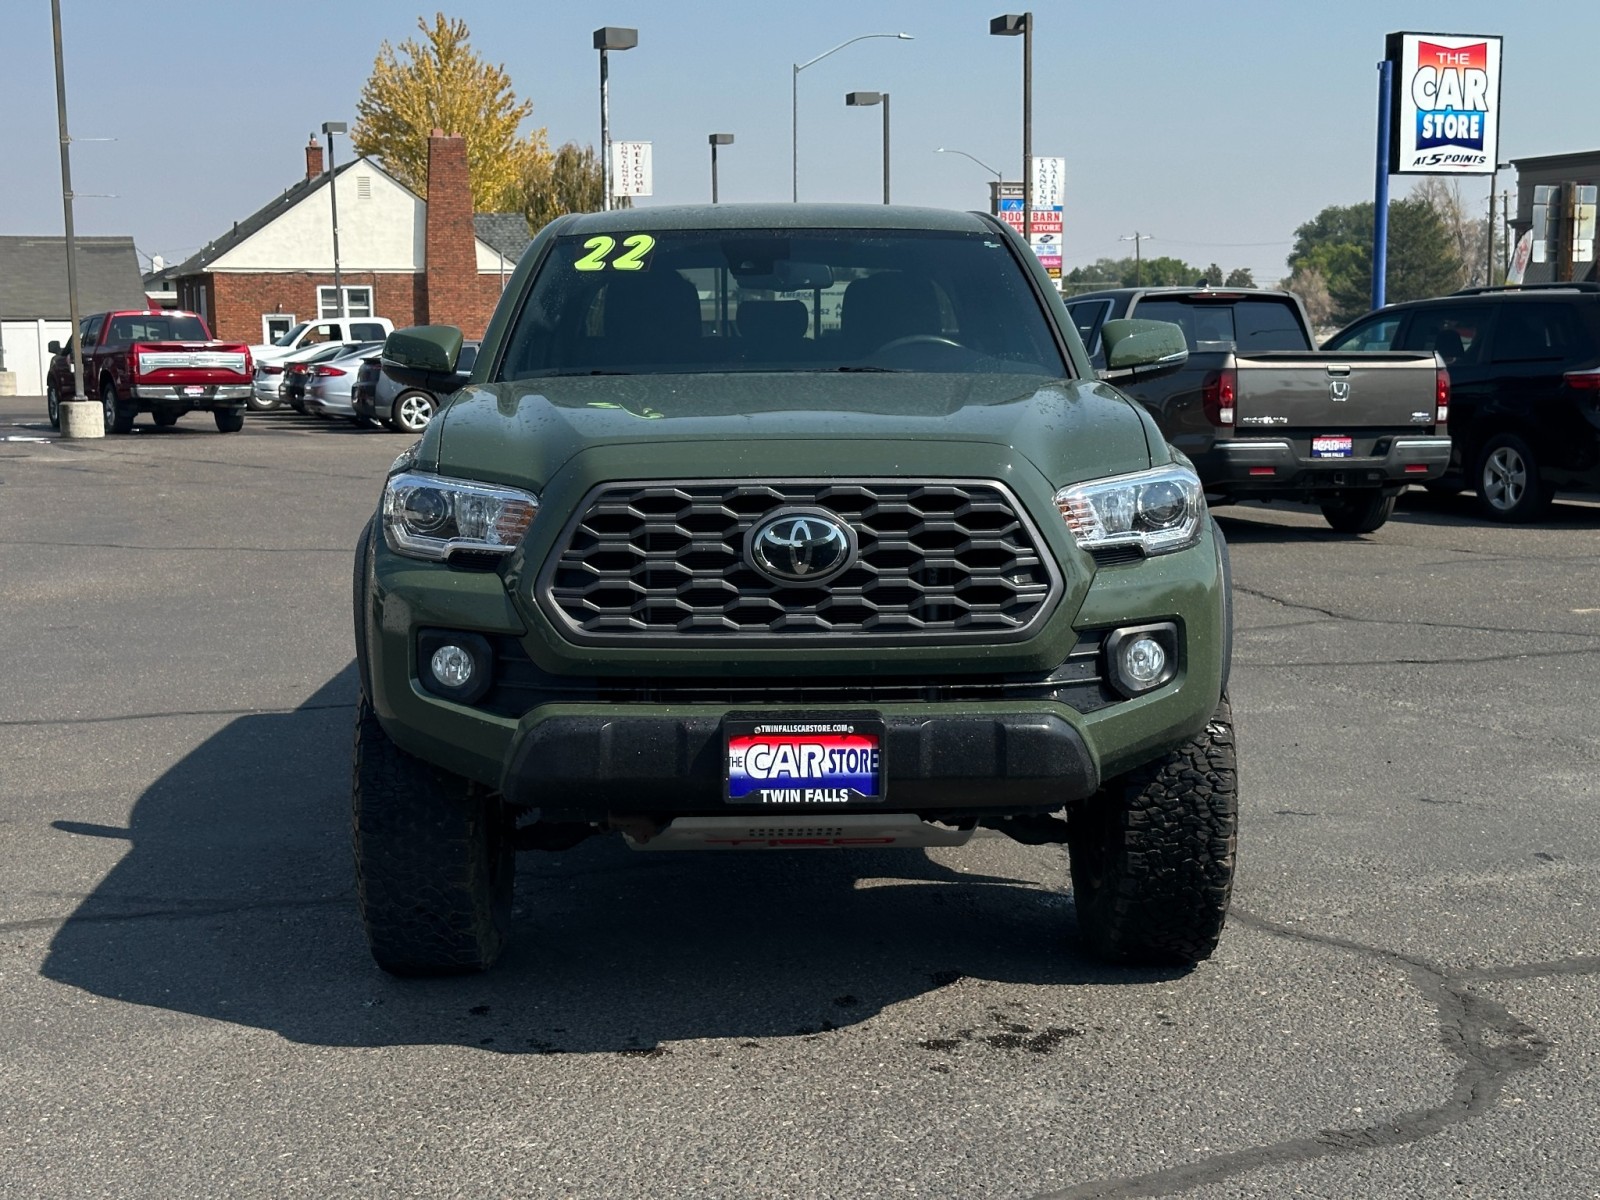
[571, 374]
[871, 370]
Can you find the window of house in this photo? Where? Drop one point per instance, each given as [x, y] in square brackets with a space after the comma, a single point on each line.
[274, 326]
[357, 302]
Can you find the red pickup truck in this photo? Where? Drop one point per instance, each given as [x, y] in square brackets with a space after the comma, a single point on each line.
[162, 362]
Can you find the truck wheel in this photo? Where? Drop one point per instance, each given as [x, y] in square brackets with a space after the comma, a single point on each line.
[434, 860]
[119, 414]
[257, 404]
[165, 417]
[1358, 512]
[1507, 479]
[229, 420]
[412, 412]
[1153, 854]
[52, 404]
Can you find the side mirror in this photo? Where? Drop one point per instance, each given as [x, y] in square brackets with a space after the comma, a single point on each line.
[53, 347]
[1132, 346]
[423, 356]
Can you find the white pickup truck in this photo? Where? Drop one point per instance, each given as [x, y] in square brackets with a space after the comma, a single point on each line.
[310, 333]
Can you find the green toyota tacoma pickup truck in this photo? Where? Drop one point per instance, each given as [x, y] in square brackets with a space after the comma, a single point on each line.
[789, 527]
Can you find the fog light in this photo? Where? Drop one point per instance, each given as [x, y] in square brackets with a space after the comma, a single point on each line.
[452, 666]
[1141, 658]
[1143, 661]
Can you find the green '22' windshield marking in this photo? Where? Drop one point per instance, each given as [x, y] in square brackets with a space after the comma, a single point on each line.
[635, 254]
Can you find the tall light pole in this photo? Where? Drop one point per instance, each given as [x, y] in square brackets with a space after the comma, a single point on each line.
[794, 101]
[717, 139]
[1010, 25]
[866, 100]
[330, 128]
[607, 38]
[998, 176]
[66, 204]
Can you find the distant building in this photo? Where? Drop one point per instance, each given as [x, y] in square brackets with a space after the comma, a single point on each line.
[411, 260]
[1554, 170]
[34, 307]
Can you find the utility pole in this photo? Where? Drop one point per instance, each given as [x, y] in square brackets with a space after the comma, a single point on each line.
[1138, 258]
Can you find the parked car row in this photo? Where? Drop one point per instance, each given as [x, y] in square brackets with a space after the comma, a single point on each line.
[1524, 365]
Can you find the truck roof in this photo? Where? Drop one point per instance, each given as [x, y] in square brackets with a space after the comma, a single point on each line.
[1219, 292]
[775, 216]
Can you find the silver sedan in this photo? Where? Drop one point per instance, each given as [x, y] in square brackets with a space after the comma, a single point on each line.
[328, 383]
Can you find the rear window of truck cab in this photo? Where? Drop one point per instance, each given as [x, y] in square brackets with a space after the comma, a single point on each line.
[1246, 324]
[759, 300]
[163, 327]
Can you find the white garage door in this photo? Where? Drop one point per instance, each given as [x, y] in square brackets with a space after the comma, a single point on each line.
[26, 356]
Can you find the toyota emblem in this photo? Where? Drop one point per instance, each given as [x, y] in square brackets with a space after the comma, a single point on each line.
[805, 546]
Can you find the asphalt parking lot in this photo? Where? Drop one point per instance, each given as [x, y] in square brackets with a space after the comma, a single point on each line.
[1406, 1001]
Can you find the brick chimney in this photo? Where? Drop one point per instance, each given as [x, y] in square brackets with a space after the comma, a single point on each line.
[450, 245]
[313, 157]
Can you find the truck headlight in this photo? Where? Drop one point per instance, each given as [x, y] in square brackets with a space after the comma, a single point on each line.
[1157, 511]
[430, 516]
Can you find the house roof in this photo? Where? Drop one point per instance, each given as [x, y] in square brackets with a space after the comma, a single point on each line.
[259, 220]
[33, 277]
[505, 232]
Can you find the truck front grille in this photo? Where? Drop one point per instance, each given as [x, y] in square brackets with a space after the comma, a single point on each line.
[947, 560]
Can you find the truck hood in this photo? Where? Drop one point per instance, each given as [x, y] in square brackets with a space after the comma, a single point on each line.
[522, 433]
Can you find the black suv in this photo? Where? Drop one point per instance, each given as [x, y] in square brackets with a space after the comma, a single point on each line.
[1524, 386]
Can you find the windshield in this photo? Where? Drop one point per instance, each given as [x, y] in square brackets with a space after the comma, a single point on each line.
[288, 337]
[706, 301]
[157, 327]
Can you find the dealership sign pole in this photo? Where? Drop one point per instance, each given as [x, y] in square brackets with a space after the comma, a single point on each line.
[1443, 116]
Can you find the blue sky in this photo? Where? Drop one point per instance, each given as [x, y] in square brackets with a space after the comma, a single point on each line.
[1217, 129]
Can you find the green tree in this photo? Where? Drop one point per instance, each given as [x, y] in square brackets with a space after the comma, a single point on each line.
[440, 83]
[567, 181]
[1212, 276]
[1240, 277]
[1337, 245]
[1127, 272]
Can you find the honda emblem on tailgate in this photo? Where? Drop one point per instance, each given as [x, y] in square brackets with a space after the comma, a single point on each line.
[1339, 389]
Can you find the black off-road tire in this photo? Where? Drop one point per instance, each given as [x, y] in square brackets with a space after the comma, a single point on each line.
[121, 413]
[1506, 475]
[165, 417]
[1358, 512]
[435, 860]
[229, 420]
[52, 404]
[1153, 854]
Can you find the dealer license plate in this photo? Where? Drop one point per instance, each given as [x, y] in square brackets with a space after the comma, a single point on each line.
[194, 389]
[797, 763]
[1331, 446]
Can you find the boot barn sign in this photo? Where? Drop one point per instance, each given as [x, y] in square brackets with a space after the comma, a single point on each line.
[1445, 110]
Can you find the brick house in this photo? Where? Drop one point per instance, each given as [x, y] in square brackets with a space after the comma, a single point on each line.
[414, 261]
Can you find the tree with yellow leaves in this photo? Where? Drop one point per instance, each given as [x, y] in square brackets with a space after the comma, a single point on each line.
[440, 83]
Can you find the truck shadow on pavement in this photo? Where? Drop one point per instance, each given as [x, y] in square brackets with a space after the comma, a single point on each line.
[235, 902]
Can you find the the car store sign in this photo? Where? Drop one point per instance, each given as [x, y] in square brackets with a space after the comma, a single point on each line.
[1445, 107]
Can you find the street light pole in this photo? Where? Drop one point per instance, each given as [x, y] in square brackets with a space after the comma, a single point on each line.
[606, 38]
[998, 176]
[717, 139]
[66, 204]
[865, 100]
[330, 128]
[794, 102]
[1010, 25]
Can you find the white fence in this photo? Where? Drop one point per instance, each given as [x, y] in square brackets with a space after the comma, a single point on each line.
[25, 353]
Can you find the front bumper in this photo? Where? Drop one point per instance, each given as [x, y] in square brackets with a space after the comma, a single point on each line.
[193, 395]
[1281, 467]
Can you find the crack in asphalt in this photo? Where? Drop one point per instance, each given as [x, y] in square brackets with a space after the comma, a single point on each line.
[134, 546]
[1490, 1044]
[187, 913]
[1452, 660]
[1334, 615]
[157, 716]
